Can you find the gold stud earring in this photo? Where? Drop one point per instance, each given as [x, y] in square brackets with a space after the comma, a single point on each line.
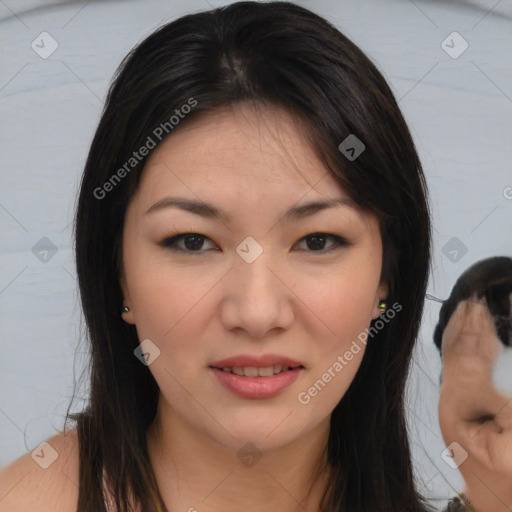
[125, 309]
[382, 305]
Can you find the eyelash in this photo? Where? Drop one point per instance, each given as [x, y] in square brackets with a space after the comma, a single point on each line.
[170, 242]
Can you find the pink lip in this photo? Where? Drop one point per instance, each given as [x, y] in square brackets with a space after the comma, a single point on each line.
[256, 387]
[257, 361]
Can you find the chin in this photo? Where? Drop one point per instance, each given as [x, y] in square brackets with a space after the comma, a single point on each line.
[263, 437]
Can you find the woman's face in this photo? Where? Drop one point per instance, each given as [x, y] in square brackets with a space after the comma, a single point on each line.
[254, 284]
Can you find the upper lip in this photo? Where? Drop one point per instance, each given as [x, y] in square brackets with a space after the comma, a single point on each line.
[266, 360]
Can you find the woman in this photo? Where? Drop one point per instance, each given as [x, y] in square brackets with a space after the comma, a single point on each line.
[473, 335]
[253, 248]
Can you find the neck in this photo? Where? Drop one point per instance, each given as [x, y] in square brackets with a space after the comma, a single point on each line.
[196, 473]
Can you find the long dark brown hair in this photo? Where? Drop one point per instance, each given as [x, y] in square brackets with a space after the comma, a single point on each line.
[275, 54]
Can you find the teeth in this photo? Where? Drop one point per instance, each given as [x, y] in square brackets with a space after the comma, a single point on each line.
[252, 371]
[268, 371]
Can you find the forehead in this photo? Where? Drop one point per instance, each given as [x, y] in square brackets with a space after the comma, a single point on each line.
[237, 148]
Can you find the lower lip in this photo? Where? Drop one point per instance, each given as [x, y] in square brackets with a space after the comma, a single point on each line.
[257, 387]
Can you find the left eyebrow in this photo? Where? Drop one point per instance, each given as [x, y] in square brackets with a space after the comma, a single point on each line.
[210, 211]
[308, 209]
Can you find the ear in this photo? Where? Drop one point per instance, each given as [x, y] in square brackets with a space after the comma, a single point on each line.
[382, 293]
[128, 316]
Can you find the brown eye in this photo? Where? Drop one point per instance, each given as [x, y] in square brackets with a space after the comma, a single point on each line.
[192, 243]
[316, 242]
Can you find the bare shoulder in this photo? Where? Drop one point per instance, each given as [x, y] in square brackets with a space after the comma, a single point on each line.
[45, 479]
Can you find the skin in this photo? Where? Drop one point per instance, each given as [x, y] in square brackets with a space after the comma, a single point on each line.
[472, 411]
[292, 300]
[25, 485]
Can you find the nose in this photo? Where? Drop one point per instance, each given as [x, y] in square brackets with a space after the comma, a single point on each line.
[257, 298]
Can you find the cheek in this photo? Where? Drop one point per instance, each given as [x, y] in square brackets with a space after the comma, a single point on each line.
[169, 310]
[348, 301]
[344, 301]
[164, 295]
[344, 304]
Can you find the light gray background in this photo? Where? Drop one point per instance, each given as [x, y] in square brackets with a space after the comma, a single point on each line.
[459, 111]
